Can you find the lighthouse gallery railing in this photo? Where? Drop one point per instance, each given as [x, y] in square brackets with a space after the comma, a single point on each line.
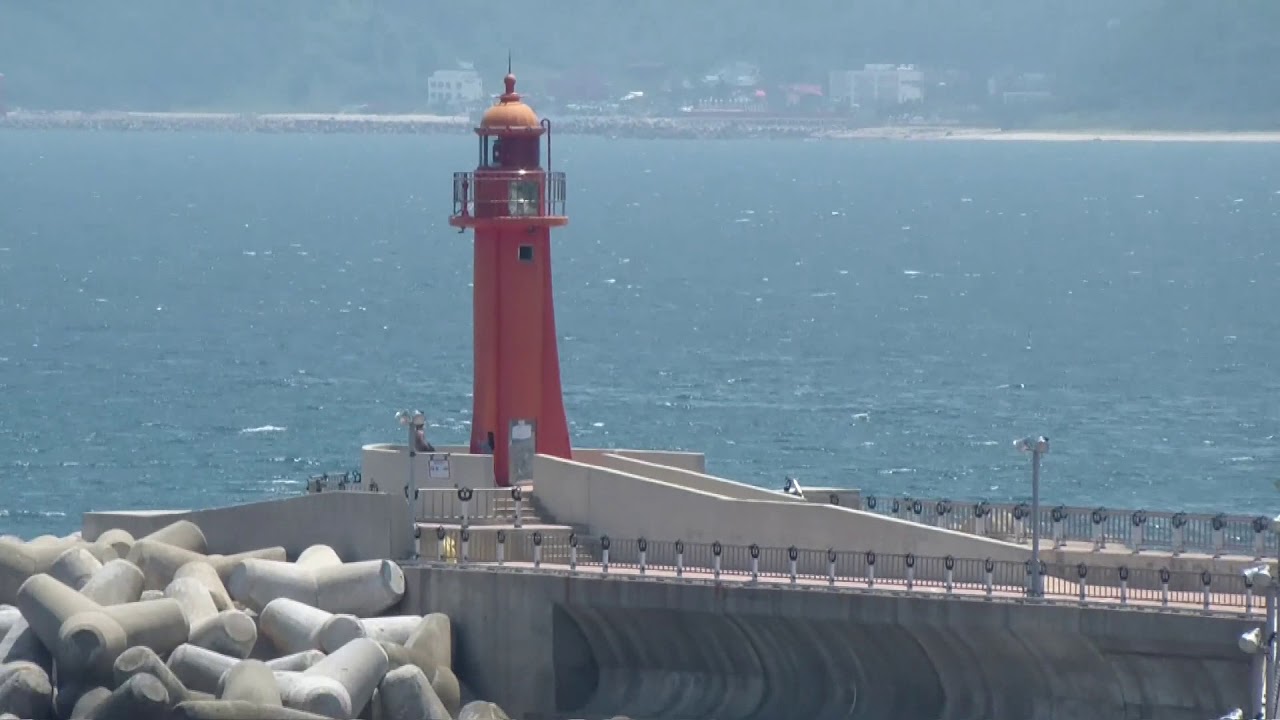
[516, 195]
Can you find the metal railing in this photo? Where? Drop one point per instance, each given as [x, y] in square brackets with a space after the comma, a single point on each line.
[465, 506]
[349, 481]
[1080, 584]
[519, 193]
[1176, 532]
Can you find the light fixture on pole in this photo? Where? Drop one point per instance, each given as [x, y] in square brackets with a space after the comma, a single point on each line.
[412, 421]
[1037, 447]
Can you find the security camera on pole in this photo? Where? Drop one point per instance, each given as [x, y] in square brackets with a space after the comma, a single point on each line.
[1037, 447]
[413, 421]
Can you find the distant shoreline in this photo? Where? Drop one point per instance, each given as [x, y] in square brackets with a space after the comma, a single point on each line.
[692, 127]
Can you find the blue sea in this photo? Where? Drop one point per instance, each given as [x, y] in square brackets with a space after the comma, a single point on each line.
[194, 320]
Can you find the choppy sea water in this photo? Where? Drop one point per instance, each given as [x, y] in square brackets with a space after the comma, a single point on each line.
[190, 320]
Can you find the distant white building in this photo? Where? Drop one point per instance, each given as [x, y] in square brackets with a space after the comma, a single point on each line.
[459, 87]
[877, 85]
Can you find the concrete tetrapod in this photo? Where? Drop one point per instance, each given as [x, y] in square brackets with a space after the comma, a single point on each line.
[405, 694]
[292, 626]
[91, 641]
[87, 705]
[199, 669]
[358, 666]
[296, 662]
[364, 589]
[318, 556]
[342, 629]
[237, 710]
[160, 562]
[250, 681]
[314, 694]
[434, 636]
[443, 681]
[143, 660]
[204, 573]
[481, 710]
[8, 616]
[230, 632]
[141, 697]
[25, 690]
[74, 567]
[19, 561]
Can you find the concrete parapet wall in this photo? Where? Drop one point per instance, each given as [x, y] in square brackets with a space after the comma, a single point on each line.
[666, 649]
[626, 505]
[359, 526]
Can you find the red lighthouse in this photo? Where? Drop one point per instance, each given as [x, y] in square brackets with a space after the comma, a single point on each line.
[512, 203]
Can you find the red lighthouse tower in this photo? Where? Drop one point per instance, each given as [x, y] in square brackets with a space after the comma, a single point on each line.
[512, 203]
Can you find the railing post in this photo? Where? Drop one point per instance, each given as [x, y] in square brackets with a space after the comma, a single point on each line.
[871, 569]
[1019, 528]
[1082, 570]
[910, 561]
[464, 498]
[1219, 525]
[950, 564]
[940, 511]
[517, 499]
[1164, 587]
[716, 550]
[1124, 585]
[1179, 523]
[1099, 518]
[1139, 520]
[604, 554]
[831, 566]
[981, 518]
[1207, 578]
[793, 553]
[537, 549]
[990, 567]
[917, 508]
[643, 546]
[755, 562]
[1248, 595]
[464, 552]
[1058, 514]
[573, 551]
[1260, 537]
[441, 534]
[502, 547]
[679, 558]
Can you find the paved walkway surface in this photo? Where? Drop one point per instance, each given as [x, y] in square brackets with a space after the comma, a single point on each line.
[1057, 591]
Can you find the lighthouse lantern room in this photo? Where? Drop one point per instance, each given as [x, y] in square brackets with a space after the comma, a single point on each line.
[512, 202]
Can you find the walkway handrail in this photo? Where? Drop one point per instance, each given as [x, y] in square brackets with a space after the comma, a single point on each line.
[1162, 588]
[464, 505]
[1177, 532]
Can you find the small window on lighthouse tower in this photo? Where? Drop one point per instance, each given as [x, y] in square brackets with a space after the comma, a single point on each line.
[526, 253]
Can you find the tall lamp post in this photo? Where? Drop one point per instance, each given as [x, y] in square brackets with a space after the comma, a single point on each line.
[1037, 447]
[412, 421]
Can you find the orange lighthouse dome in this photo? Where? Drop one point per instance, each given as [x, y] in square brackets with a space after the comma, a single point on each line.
[510, 112]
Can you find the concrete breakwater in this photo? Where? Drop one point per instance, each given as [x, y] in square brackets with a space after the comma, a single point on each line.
[612, 126]
[158, 627]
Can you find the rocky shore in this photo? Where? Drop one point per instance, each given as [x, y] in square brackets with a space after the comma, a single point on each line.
[160, 627]
[699, 127]
[693, 127]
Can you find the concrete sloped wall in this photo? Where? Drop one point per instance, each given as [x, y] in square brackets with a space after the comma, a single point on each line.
[359, 525]
[691, 479]
[630, 506]
[651, 649]
[387, 465]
